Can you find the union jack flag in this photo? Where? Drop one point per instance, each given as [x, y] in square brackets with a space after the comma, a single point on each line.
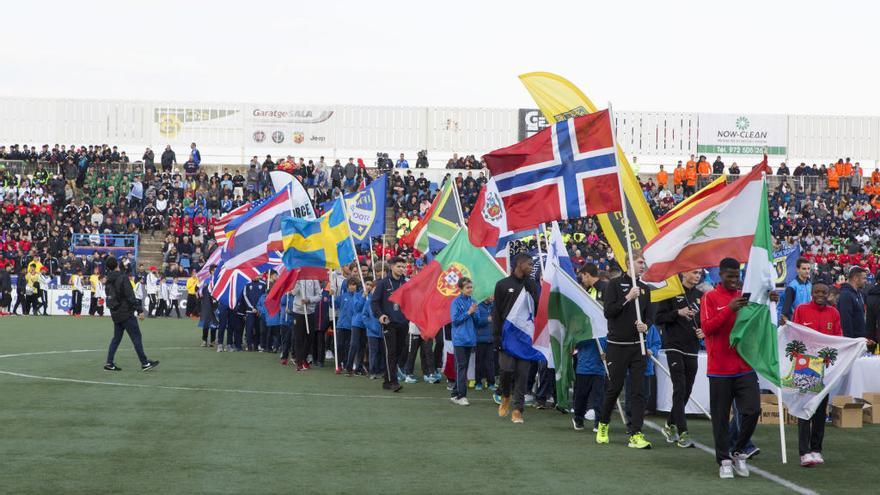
[568, 170]
[229, 283]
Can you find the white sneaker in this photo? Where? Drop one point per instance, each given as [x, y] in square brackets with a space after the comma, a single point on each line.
[807, 460]
[591, 415]
[219, 347]
[328, 355]
[726, 470]
[817, 458]
[741, 468]
[463, 402]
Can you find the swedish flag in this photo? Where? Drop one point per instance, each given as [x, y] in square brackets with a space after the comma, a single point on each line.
[324, 242]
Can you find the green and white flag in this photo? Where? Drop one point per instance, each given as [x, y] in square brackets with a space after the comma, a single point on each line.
[754, 333]
[567, 315]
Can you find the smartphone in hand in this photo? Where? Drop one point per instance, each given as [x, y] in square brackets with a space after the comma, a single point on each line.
[746, 295]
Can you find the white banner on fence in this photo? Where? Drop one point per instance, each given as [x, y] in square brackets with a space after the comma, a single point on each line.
[742, 134]
[290, 126]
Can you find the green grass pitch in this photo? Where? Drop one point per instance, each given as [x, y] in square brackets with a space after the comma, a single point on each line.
[205, 422]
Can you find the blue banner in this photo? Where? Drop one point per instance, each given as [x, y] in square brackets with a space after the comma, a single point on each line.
[785, 262]
[366, 211]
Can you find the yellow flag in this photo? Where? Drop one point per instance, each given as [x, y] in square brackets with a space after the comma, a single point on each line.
[558, 100]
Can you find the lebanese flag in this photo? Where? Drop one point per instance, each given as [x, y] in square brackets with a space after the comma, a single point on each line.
[721, 225]
[488, 220]
[287, 280]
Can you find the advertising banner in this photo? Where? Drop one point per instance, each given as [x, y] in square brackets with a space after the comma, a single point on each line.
[742, 134]
[290, 126]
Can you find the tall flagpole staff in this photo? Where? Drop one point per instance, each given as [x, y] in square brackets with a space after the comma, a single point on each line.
[331, 275]
[372, 258]
[632, 263]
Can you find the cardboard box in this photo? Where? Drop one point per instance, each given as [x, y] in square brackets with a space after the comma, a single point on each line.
[845, 413]
[769, 399]
[871, 408]
[769, 414]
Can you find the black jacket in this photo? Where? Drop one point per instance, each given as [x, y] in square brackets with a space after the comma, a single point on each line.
[622, 317]
[679, 333]
[120, 297]
[872, 324]
[380, 303]
[506, 292]
[5, 281]
[851, 306]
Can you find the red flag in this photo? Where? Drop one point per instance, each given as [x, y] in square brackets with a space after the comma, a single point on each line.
[287, 280]
[488, 221]
[423, 292]
[568, 170]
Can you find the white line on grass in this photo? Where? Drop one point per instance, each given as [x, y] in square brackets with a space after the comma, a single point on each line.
[760, 472]
[191, 389]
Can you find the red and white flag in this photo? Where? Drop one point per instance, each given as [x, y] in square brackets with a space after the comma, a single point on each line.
[721, 225]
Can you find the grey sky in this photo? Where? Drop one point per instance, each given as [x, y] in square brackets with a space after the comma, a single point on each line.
[743, 56]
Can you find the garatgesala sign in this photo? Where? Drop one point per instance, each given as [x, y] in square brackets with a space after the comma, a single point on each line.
[297, 126]
[742, 134]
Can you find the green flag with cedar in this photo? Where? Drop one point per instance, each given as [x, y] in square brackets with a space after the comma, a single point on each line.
[754, 333]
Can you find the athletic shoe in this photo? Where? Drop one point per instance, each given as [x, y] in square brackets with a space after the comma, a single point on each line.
[670, 432]
[595, 429]
[204, 343]
[437, 377]
[450, 386]
[602, 434]
[807, 460]
[492, 387]
[472, 383]
[749, 453]
[739, 465]
[726, 470]
[638, 441]
[428, 378]
[112, 367]
[591, 415]
[462, 401]
[478, 386]
[817, 458]
[149, 365]
[529, 399]
[504, 406]
[517, 417]
[307, 366]
[301, 367]
[410, 379]
[284, 362]
[578, 423]
[684, 440]
[219, 347]
[375, 377]
[396, 387]
[540, 405]
[401, 376]
[328, 355]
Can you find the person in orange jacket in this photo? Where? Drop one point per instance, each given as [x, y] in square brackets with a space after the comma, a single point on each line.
[678, 175]
[691, 164]
[691, 178]
[703, 167]
[662, 178]
[833, 179]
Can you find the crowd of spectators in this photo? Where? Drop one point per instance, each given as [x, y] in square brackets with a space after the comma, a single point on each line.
[97, 190]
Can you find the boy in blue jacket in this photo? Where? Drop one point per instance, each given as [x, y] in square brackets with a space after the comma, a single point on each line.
[344, 308]
[485, 360]
[464, 337]
[589, 381]
[273, 323]
[374, 341]
[354, 363]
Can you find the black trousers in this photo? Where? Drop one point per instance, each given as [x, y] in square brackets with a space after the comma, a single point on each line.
[44, 302]
[485, 362]
[20, 300]
[175, 305]
[162, 308]
[192, 305]
[395, 344]
[622, 359]
[134, 333]
[722, 392]
[152, 307]
[301, 337]
[812, 431]
[77, 303]
[514, 379]
[683, 372]
[416, 346]
[588, 393]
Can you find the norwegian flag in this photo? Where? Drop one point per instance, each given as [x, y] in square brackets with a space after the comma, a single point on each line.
[568, 170]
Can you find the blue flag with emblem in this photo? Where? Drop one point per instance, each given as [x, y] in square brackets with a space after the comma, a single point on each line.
[366, 211]
[324, 242]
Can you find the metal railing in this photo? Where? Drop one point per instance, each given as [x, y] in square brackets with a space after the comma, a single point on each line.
[805, 183]
[115, 244]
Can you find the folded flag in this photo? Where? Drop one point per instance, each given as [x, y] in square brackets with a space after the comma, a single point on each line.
[568, 170]
[426, 298]
[720, 225]
[324, 242]
[813, 364]
[754, 331]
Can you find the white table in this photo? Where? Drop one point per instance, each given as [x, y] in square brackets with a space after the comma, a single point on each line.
[863, 377]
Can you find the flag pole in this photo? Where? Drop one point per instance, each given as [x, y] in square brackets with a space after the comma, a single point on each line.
[608, 374]
[372, 259]
[353, 247]
[302, 298]
[331, 275]
[538, 244]
[781, 426]
[632, 264]
[383, 254]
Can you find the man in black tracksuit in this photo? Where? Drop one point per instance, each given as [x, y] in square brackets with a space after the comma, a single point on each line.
[623, 353]
[395, 326]
[680, 317]
[123, 307]
[514, 372]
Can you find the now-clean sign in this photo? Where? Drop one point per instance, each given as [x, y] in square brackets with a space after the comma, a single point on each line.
[742, 134]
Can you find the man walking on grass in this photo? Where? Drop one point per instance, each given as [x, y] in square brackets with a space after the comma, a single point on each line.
[123, 306]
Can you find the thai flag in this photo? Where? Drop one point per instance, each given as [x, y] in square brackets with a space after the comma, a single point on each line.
[568, 170]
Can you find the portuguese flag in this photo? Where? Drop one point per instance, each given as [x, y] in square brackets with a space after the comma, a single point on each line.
[426, 298]
[569, 315]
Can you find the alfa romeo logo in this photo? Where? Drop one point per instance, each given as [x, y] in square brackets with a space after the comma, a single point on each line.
[742, 123]
[447, 282]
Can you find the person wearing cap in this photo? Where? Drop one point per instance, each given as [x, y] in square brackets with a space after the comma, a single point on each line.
[152, 286]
